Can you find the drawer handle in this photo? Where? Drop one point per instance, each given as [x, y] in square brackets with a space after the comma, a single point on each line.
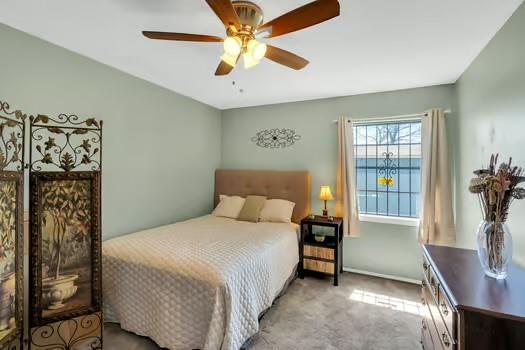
[444, 308]
[444, 336]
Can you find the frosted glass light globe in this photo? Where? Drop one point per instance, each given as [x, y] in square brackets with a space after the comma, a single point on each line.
[249, 61]
[229, 59]
[232, 46]
[256, 49]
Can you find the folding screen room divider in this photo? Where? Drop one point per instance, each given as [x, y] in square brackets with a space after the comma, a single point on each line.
[65, 285]
[65, 165]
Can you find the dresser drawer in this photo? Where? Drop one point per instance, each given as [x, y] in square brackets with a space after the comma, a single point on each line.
[447, 311]
[428, 330]
[425, 267]
[426, 337]
[319, 266]
[318, 252]
[432, 282]
[443, 336]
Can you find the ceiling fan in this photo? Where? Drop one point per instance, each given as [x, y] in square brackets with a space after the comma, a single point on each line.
[243, 21]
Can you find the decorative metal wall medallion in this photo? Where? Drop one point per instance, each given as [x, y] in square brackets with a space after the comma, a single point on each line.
[276, 138]
[387, 170]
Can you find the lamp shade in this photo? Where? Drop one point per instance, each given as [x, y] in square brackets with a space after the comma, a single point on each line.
[326, 194]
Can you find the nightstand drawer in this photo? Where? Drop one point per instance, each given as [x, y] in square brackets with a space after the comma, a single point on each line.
[320, 266]
[318, 252]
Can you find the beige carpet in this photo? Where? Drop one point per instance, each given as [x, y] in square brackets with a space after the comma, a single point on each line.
[362, 313]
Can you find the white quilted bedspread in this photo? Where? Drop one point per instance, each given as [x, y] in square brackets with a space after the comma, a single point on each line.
[198, 284]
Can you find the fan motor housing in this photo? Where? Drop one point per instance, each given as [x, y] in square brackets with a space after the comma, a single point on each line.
[250, 14]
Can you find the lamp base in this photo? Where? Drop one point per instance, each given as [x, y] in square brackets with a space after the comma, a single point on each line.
[325, 213]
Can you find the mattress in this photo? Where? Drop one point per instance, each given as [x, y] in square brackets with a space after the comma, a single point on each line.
[197, 284]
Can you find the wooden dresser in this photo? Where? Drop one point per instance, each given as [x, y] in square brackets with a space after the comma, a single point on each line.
[464, 309]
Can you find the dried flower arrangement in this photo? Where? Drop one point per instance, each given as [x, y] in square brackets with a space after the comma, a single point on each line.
[497, 187]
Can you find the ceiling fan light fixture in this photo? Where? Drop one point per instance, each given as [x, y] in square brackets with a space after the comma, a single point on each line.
[244, 24]
[249, 60]
[229, 59]
[232, 46]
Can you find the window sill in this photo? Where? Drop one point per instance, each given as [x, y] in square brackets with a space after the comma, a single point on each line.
[391, 220]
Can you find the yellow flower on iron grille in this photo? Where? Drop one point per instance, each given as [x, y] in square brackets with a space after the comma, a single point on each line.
[383, 181]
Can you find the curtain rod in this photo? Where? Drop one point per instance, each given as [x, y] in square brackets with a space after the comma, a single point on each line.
[394, 117]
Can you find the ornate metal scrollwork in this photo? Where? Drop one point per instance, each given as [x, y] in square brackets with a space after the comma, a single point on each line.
[65, 143]
[387, 170]
[81, 332]
[11, 138]
[276, 138]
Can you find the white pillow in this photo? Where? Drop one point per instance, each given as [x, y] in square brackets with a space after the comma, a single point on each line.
[277, 210]
[229, 206]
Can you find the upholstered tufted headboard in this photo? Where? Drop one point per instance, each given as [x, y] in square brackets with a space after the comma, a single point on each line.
[294, 186]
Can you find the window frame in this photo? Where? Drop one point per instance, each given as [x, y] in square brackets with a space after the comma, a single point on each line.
[391, 220]
[379, 217]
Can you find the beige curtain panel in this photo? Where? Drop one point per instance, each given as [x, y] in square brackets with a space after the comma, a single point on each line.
[437, 218]
[346, 204]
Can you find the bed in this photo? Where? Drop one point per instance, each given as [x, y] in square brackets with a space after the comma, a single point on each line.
[203, 283]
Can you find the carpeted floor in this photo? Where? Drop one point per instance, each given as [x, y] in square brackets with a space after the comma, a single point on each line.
[362, 313]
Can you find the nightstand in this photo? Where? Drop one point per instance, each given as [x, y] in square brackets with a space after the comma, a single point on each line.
[323, 255]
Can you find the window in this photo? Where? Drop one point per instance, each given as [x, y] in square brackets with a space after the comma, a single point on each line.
[388, 168]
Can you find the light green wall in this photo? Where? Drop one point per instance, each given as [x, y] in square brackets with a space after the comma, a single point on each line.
[489, 117]
[491, 101]
[145, 123]
[386, 249]
[160, 149]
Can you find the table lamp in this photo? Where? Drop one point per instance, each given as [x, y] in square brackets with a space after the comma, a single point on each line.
[325, 195]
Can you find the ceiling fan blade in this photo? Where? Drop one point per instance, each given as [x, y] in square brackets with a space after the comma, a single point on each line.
[225, 11]
[302, 17]
[223, 68]
[285, 58]
[181, 36]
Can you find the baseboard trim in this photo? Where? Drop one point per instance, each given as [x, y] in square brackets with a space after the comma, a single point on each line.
[380, 275]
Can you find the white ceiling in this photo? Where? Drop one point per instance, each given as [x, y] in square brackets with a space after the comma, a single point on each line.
[375, 45]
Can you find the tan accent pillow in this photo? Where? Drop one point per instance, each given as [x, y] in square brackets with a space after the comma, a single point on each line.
[277, 210]
[252, 208]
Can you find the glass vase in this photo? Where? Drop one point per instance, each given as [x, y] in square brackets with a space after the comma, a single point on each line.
[494, 248]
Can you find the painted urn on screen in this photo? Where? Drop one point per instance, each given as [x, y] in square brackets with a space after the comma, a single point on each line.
[57, 290]
[497, 187]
